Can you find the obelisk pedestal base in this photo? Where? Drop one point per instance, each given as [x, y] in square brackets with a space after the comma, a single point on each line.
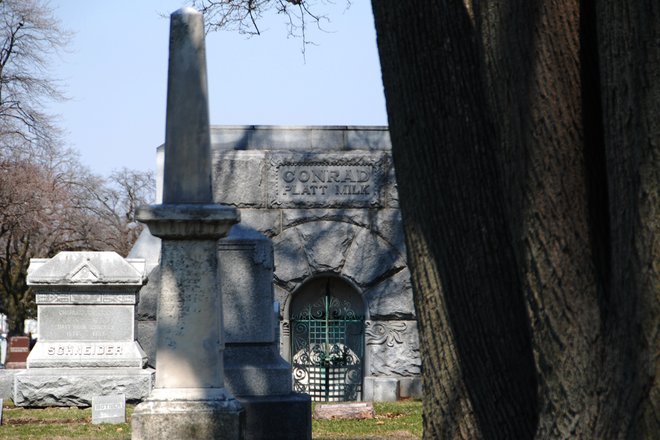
[188, 419]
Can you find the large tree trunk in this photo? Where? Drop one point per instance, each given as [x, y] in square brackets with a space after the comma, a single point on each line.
[476, 344]
[629, 53]
[530, 222]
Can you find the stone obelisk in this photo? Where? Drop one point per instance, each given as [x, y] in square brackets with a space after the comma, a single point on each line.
[189, 399]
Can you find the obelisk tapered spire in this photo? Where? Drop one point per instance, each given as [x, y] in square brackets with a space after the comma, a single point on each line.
[187, 176]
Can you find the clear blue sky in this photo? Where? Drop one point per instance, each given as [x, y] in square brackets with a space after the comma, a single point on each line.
[115, 74]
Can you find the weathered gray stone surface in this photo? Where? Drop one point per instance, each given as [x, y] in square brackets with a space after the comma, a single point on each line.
[7, 382]
[381, 389]
[291, 262]
[207, 419]
[146, 313]
[187, 137]
[256, 370]
[393, 348]
[188, 307]
[241, 178]
[146, 331]
[174, 221]
[304, 138]
[391, 299]
[73, 268]
[371, 258]
[265, 221]
[245, 278]
[76, 387]
[411, 387]
[78, 322]
[326, 243]
[148, 304]
[147, 247]
[387, 224]
[337, 247]
[109, 409]
[293, 217]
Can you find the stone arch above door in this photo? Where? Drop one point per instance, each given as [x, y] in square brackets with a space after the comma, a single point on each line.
[341, 248]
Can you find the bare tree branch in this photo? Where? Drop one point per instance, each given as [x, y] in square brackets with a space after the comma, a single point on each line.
[244, 16]
[29, 36]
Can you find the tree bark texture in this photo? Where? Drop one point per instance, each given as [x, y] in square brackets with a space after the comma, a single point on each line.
[525, 138]
[629, 53]
[476, 342]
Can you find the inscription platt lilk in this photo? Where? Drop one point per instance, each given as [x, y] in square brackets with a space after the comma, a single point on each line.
[322, 184]
[306, 180]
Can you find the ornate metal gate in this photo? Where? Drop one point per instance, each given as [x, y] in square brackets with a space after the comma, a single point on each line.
[327, 346]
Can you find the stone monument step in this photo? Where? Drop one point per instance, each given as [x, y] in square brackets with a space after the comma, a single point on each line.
[76, 386]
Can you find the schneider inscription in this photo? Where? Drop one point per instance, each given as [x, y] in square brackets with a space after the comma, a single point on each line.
[85, 350]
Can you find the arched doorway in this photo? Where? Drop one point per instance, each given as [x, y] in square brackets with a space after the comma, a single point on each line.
[327, 340]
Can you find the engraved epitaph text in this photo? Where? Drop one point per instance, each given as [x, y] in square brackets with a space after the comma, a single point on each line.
[314, 182]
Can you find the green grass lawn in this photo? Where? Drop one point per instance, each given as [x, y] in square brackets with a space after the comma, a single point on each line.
[57, 424]
[394, 421]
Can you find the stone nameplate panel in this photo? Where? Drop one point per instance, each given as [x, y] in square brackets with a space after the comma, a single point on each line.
[109, 409]
[331, 181]
[86, 323]
[86, 354]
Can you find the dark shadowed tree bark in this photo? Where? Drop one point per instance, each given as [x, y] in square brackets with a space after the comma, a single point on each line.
[525, 138]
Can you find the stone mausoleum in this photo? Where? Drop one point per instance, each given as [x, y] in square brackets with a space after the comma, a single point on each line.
[326, 197]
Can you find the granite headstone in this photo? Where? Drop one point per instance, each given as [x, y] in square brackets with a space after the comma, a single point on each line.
[86, 304]
[17, 352]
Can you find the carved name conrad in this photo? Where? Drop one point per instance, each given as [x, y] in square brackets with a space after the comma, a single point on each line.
[311, 180]
[85, 350]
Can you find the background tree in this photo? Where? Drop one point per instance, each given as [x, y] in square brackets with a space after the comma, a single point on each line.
[29, 36]
[48, 201]
[110, 205]
[46, 208]
[35, 214]
[525, 139]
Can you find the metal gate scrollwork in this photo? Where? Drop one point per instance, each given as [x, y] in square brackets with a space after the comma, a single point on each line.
[327, 346]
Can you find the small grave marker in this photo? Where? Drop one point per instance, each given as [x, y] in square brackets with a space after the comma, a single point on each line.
[357, 410]
[1, 401]
[109, 409]
[17, 352]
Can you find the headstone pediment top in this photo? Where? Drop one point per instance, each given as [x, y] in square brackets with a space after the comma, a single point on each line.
[87, 268]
